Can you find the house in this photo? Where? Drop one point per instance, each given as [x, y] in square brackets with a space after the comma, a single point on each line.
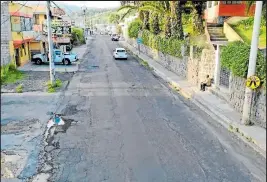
[218, 11]
[16, 33]
[40, 43]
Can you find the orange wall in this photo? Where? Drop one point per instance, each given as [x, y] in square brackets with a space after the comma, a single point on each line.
[235, 10]
[228, 10]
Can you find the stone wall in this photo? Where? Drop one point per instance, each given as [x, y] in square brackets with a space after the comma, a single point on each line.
[5, 34]
[237, 96]
[176, 65]
[206, 64]
[192, 70]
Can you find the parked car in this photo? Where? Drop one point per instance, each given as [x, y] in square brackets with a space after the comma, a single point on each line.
[115, 37]
[60, 57]
[120, 53]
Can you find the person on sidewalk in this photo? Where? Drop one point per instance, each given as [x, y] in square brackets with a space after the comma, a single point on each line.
[206, 83]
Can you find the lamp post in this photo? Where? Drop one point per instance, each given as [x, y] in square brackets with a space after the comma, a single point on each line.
[84, 18]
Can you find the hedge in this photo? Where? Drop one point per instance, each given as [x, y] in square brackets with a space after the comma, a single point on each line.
[235, 57]
[167, 46]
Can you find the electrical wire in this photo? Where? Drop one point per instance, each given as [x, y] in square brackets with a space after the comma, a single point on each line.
[14, 13]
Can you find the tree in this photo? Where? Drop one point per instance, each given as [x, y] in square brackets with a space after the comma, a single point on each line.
[154, 23]
[114, 18]
[176, 19]
[198, 8]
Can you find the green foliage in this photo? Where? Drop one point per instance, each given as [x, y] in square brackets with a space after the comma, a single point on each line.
[52, 87]
[77, 35]
[235, 57]
[114, 18]
[19, 88]
[9, 74]
[134, 28]
[154, 22]
[170, 46]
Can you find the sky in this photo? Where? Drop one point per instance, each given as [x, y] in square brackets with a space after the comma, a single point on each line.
[95, 4]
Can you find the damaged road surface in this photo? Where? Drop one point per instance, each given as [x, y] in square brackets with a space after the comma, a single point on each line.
[23, 122]
[122, 124]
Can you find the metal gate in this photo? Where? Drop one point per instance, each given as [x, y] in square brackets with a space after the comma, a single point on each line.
[224, 77]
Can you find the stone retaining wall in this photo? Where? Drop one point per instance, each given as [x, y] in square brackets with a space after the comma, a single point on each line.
[237, 96]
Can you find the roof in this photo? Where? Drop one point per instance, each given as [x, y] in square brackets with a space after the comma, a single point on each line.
[120, 49]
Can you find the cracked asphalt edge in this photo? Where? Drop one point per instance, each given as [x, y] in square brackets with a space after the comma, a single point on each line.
[45, 167]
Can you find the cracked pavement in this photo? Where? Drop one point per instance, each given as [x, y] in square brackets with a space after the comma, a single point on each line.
[123, 124]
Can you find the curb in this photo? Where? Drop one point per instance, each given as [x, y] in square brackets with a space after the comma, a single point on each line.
[224, 121]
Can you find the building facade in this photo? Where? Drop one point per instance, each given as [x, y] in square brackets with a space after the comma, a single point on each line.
[218, 11]
[6, 39]
[16, 32]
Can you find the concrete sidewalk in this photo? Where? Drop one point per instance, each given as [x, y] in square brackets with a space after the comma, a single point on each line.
[217, 108]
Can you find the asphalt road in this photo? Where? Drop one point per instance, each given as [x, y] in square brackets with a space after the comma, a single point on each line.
[123, 124]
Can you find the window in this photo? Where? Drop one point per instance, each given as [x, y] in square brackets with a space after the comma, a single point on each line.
[45, 17]
[216, 3]
[120, 50]
[23, 47]
[58, 53]
[15, 24]
[28, 24]
[231, 2]
[22, 23]
[36, 20]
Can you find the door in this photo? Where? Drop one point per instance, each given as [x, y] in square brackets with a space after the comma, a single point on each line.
[44, 48]
[58, 57]
[17, 58]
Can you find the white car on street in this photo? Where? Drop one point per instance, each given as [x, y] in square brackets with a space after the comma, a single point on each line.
[120, 53]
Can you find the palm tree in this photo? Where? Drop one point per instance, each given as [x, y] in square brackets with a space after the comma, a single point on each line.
[162, 9]
[176, 19]
[198, 8]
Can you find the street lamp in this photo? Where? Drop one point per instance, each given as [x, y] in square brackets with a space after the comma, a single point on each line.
[84, 13]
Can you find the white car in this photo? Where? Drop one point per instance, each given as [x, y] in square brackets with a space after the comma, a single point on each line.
[120, 53]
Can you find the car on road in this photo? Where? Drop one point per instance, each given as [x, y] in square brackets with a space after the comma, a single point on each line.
[115, 37]
[120, 53]
[59, 57]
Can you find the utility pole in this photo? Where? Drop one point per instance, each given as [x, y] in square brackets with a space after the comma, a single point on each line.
[252, 63]
[50, 43]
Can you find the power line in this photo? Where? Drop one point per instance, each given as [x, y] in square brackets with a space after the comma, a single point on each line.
[14, 13]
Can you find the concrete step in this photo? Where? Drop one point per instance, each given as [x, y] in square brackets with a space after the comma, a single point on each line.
[214, 25]
[218, 39]
[217, 36]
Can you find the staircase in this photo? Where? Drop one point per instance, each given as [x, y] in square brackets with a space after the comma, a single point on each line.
[216, 33]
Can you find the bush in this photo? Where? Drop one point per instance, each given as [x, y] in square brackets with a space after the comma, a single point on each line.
[167, 46]
[77, 35]
[134, 28]
[19, 88]
[52, 87]
[235, 57]
[9, 74]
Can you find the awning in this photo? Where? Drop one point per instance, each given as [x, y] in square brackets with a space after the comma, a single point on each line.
[17, 43]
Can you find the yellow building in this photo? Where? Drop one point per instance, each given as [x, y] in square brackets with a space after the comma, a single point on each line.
[21, 32]
[40, 44]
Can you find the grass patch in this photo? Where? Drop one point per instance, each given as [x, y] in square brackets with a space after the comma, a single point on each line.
[19, 88]
[145, 64]
[9, 74]
[51, 88]
[245, 28]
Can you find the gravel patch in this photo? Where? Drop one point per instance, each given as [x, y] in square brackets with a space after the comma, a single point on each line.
[35, 81]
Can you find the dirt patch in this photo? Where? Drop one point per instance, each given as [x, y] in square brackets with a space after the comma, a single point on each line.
[35, 81]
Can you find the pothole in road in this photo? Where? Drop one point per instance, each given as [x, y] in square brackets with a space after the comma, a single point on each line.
[64, 128]
[14, 127]
[70, 110]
